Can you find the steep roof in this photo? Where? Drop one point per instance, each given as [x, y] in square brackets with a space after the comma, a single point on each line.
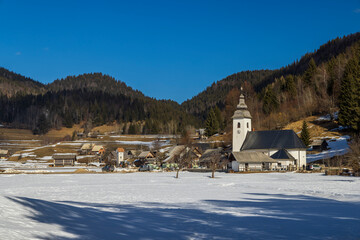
[275, 139]
[252, 157]
[97, 148]
[146, 154]
[87, 146]
[282, 154]
[209, 154]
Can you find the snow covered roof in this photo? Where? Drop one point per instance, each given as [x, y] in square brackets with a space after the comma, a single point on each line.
[252, 157]
[275, 139]
[282, 154]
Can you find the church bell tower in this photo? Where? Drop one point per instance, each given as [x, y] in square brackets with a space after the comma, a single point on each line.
[241, 124]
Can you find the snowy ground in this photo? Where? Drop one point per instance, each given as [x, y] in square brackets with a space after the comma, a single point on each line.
[158, 206]
[337, 146]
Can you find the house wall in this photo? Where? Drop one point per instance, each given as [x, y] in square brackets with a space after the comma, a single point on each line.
[235, 166]
[239, 134]
[298, 154]
[63, 162]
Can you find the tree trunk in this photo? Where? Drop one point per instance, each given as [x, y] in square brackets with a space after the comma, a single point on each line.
[213, 173]
[177, 173]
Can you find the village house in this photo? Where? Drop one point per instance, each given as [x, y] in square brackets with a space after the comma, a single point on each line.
[86, 148]
[98, 150]
[64, 159]
[133, 153]
[180, 151]
[251, 161]
[267, 143]
[319, 145]
[118, 157]
[4, 154]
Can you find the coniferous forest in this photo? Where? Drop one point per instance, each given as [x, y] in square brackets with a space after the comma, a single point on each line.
[324, 81]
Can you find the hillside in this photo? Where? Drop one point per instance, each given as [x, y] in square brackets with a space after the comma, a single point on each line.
[259, 79]
[94, 82]
[12, 83]
[94, 99]
[275, 98]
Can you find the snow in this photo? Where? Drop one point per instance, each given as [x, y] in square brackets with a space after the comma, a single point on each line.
[327, 117]
[159, 206]
[337, 146]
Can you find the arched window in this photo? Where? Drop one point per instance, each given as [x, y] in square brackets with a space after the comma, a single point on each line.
[247, 124]
[239, 125]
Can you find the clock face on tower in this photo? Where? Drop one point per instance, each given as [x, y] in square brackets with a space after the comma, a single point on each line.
[238, 131]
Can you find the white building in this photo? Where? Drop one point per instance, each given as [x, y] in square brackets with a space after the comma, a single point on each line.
[283, 148]
[120, 158]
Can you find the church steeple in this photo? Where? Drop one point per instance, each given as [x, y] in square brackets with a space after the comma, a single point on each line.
[241, 124]
[241, 109]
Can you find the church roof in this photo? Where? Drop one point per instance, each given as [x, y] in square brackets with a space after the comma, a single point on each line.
[252, 157]
[241, 109]
[275, 139]
[282, 154]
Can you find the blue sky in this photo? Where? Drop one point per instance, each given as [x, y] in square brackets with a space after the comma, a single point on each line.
[167, 49]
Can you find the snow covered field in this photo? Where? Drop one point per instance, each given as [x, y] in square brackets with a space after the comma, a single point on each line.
[158, 206]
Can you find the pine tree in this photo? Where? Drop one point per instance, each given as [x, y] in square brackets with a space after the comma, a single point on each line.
[349, 99]
[270, 102]
[310, 72]
[212, 124]
[305, 135]
[290, 86]
[219, 117]
[43, 126]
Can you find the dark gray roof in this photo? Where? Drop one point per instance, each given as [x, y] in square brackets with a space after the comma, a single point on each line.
[282, 154]
[275, 139]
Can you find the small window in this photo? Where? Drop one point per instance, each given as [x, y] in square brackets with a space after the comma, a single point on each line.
[247, 124]
[239, 125]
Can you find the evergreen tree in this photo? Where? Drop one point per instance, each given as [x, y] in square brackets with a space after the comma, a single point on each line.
[305, 135]
[349, 99]
[43, 126]
[270, 102]
[290, 86]
[219, 117]
[212, 124]
[132, 129]
[310, 72]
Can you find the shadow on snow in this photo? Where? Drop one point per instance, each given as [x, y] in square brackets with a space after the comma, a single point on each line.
[265, 216]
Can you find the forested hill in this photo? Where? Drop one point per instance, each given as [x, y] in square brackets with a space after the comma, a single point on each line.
[12, 83]
[314, 84]
[97, 82]
[260, 80]
[92, 99]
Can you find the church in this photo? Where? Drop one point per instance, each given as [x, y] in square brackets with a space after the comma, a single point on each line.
[263, 150]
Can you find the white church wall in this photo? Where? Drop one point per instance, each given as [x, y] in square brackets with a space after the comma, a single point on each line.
[239, 133]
